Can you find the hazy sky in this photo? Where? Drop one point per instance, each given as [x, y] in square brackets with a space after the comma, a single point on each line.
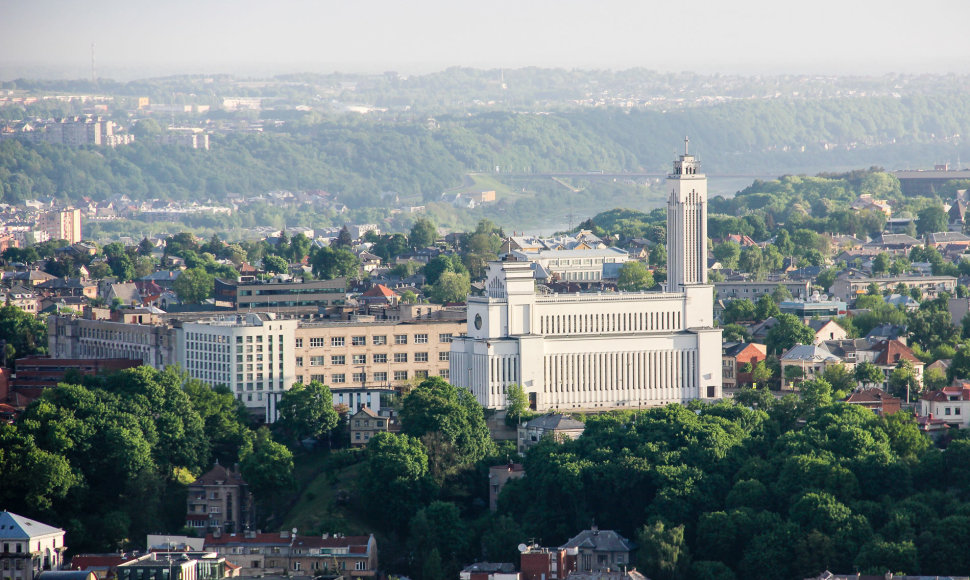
[140, 38]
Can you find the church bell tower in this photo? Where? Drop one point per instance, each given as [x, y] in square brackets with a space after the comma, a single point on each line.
[686, 224]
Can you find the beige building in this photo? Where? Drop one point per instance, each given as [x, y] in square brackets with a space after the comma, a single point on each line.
[61, 225]
[364, 424]
[372, 353]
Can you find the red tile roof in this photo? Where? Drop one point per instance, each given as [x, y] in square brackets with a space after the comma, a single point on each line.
[870, 396]
[380, 290]
[893, 351]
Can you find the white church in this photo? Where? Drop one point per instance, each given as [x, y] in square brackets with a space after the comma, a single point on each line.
[601, 350]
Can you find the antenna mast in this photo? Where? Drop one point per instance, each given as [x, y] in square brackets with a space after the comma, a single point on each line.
[94, 76]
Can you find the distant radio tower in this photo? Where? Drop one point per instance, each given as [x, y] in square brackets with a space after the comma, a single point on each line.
[94, 75]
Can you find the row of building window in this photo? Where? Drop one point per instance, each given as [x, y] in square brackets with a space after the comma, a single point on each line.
[378, 377]
[360, 359]
[377, 340]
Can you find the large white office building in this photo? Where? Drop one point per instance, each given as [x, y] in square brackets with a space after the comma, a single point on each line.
[252, 354]
[601, 350]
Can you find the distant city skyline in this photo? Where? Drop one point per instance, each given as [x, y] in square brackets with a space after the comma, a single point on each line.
[52, 38]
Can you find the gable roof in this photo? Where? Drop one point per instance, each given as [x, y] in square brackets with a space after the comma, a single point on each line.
[871, 395]
[599, 541]
[17, 527]
[380, 290]
[219, 473]
[893, 351]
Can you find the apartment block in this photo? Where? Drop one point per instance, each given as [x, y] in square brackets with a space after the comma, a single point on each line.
[368, 352]
[249, 353]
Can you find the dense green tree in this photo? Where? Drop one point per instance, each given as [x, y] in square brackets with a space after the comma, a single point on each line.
[306, 411]
[735, 333]
[329, 263]
[727, 253]
[396, 466]
[439, 527]
[740, 310]
[815, 393]
[787, 333]
[634, 277]
[193, 285]
[841, 379]
[266, 465]
[766, 307]
[275, 264]
[761, 374]
[869, 374]
[23, 333]
[662, 551]
[450, 287]
[437, 406]
[902, 381]
[441, 264]
[931, 219]
[423, 234]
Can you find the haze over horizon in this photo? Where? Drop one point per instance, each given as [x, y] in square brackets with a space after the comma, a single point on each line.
[53, 38]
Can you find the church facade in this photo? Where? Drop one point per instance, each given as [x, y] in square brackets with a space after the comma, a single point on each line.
[601, 350]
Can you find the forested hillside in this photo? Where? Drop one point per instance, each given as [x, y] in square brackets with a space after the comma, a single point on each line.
[360, 157]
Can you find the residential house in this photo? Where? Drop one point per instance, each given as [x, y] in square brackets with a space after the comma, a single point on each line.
[599, 550]
[826, 330]
[557, 425]
[364, 424]
[29, 547]
[888, 354]
[219, 500]
[734, 357]
[950, 405]
[877, 400]
[947, 240]
[812, 359]
[262, 554]
[867, 202]
[21, 297]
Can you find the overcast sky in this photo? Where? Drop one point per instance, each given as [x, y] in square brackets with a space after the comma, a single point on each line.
[136, 38]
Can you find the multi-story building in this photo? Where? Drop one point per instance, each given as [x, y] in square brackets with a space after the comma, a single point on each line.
[372, 353]
[62, 224]
[600, 350]
[849, 287]
[282, 296]
[252, 354]
[36, 373]
[146, 339]
[275, 554]
[29, 547]
[736, 289]
[219, 500]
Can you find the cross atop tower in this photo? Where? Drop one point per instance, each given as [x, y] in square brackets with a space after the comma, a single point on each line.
[686, 142]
